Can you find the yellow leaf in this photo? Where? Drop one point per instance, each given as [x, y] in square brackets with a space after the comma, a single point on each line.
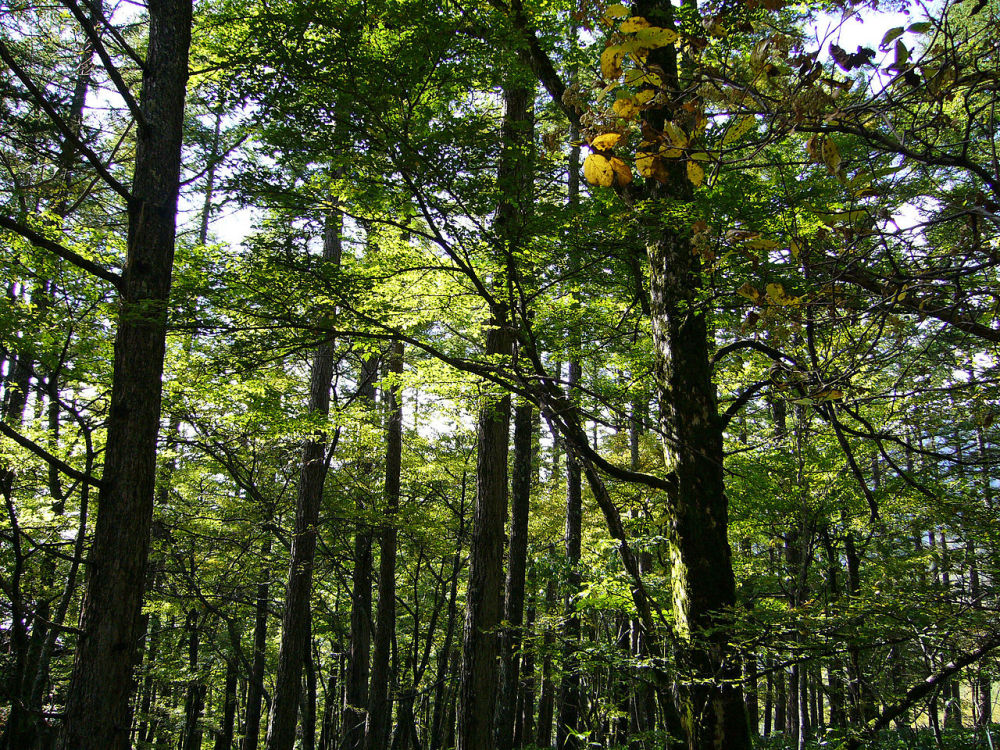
[695, 173]
[621, 171]
[794, 247]
[616, 11]
[611, 62]
[677, 136]
[638, 77]
[625, 108]
[655, 36]
[775, 292]
[762, 244]
[644, 96]
[598, 170]
[644, 162]
[672, 153]
[748, 291]
[737, 129]
[831, 156]
[633, 24]
[605, 141]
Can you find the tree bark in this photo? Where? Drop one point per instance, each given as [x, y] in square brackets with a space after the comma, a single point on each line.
[517, 555]
[98, 712]
[255, 687]
[379, 703]
[356, 688]
[194, 701]
[295, 631]
[479, 673]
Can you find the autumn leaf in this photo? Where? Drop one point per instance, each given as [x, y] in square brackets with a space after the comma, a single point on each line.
[621, 171]
[737, 129]
[597, 170]
[605, 141]
[655, 36]
[678, 137]
[633, 24]
[748, 291]
[625, 108]
[831, 155]
[611, 62]
[615, 11]
[695, 173]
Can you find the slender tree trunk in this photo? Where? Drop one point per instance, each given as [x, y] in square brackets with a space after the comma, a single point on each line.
[440, 722]
[194, 701]
[517, 556]
[308, 708]
[568, 724]
[356, 687]
[98, 711]
[379, 703]
[295, 621]
[255, 681]
[546, 697]
[224, 738]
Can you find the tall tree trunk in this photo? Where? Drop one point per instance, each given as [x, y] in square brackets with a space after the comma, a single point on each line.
[546, 696]
[517, 556]
[308, 707]
[98, 712]
[224, 738]
[295, 621]
[479, 671]
[568, 724]
[356, 687]
[255, 681]
[479, 674]
[194, 701]
[379, 703]
[440, 723]
[703, 584]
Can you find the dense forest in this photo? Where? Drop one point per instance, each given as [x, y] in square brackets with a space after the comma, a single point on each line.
[422, 374]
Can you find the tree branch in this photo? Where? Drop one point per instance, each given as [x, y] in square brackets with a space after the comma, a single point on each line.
[39, 240]
[61, 125]
[52, 460]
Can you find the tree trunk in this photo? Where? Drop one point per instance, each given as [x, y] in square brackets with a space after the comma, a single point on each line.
[356, 688]
[98, 711]
[479, 674]
[295, 621]
[255, 686]
[379, 703]
[704, 589]
[517, 556]
[194, 701]
[224, 738]
[546, 697]
[440, 722]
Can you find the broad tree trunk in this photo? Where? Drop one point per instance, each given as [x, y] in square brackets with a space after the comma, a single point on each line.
[479, 674]
[703, 585]
[295, 629]
[98, 710]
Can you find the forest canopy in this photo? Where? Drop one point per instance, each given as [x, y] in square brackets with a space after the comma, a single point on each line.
[499, 375]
